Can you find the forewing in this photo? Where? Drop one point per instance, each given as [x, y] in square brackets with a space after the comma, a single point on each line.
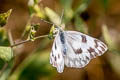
[56, 55]
[81, 49]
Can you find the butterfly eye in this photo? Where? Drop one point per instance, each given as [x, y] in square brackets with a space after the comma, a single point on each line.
[55, 31]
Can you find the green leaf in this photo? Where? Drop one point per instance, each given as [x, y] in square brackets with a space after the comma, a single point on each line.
[7, 69]
[31, 10]
[1, 63]
[53, 16]
[39, 12]
[82, 6]
[4, 17]
[3, 38]
[107, 37]
[6, 53]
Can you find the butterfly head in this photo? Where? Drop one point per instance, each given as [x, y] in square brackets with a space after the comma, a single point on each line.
[54, 30]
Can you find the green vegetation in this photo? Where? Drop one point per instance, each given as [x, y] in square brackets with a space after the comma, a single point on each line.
[18, 62]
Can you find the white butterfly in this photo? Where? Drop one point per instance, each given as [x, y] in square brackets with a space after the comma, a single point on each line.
[74, 49]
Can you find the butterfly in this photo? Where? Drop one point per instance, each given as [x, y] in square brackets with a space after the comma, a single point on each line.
[74, 49]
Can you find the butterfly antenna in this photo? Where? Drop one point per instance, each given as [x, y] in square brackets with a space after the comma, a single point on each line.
[46, 21]
[61, 16]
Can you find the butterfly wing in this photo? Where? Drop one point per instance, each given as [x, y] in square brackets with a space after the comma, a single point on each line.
[56, 55]
[81, 49]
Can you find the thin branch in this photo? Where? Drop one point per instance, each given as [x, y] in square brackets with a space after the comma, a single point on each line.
[22, 42]
[10, 37]
[46, 21]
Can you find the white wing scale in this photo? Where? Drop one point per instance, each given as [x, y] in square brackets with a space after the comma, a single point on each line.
[56, 55]
[81, 49]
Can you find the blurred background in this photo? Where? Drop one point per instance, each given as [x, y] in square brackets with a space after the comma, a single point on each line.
[97, 18]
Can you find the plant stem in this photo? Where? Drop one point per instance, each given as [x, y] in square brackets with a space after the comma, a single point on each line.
[3, 68]
[10, 37]
[22, 42]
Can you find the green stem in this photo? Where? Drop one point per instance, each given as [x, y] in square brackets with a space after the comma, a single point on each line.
[22, 42]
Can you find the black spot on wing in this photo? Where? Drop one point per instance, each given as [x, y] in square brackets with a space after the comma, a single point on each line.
[91, 50]
[100, 52]
[55, 46]
[87, 58]
[103, 45]
[55, 58]
[91, 56]
[102, 48]
[78, 51]
[84, 40]
[84, 61]
[96, 43]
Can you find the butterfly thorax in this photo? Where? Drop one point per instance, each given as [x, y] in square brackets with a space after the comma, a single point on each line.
[62, 37]
[63, 41]
[60, 32]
